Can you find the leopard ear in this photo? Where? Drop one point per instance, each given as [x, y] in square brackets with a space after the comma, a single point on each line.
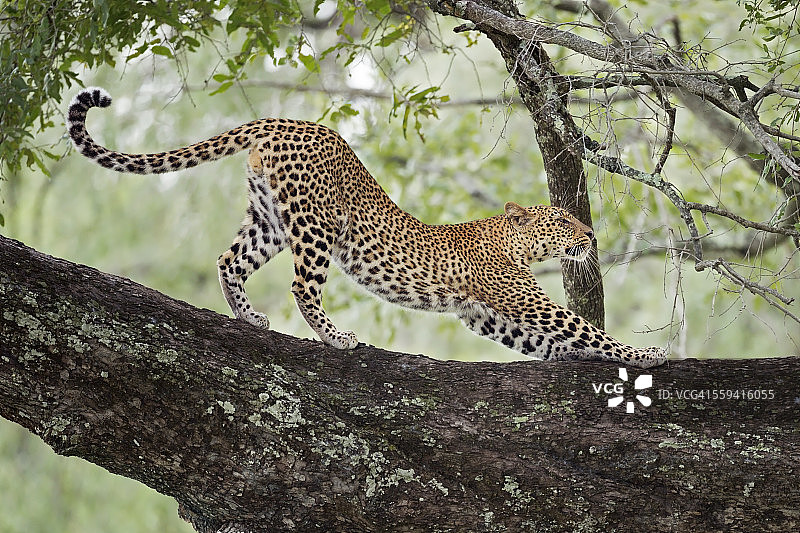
[518, 215]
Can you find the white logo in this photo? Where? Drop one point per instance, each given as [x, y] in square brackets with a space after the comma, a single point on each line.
[645, 381]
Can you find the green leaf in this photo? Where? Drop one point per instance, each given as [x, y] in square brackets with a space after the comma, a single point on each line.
[405, 121]
[309, 61]
[191, 41]
[222, 88]
[161, 50]
[391, 37]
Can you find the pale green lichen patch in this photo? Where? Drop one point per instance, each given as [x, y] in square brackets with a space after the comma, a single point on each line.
[357, 452]
[409, 407]
[286, 412]
[55, 427]
[563, 408]
[34, 327]
[518, 420]
[760, 450]
[227, 407]
[278, 402]
[338, 447]
[74, 343]
[408, 475]
[753, 446]
[518, 499]
[167, 356]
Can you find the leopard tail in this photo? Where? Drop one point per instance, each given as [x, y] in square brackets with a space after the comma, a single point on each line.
[216, 147]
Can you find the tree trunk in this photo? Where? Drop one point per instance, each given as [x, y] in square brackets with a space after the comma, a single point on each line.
[561, 145]
[253, 430]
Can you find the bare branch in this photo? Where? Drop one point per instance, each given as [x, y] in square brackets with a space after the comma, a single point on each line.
[352, 93]
[778, 133]
[787, 93]
[782, 230]
[650, 60]
[617, 166]
[769, 294]
[685, 209]
[670, 110]
[605, 82]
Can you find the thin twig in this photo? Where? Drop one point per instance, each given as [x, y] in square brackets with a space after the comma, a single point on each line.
[778, 133]
[786, 92]
[703, 208]
[670, 111]
[769, 294]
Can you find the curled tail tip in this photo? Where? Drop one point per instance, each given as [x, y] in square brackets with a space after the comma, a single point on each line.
[76, 115]
[91, 97]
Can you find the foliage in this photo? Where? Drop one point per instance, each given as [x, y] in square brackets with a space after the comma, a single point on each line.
[44, 43]
[777, 21]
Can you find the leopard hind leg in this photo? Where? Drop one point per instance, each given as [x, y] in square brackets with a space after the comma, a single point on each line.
[312, 251]
[260, 238]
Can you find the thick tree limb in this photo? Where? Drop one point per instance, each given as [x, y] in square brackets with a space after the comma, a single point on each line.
[256, 431]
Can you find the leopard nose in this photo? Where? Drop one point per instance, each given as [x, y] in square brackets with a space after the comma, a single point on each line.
[590, 234]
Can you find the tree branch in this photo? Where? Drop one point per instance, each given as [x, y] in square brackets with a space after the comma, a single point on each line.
[253, 430]
[643, 59]
[353, 92]
[745, 223]
[722, 267]
[770, 295]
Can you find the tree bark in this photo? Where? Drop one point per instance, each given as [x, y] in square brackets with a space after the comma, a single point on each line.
[253, 430]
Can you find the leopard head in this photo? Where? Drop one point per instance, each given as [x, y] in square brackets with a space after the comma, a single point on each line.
[542, 232]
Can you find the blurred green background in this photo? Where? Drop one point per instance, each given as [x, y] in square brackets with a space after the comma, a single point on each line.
[167, 231]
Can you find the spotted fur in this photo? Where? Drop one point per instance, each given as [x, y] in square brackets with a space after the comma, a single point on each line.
[310, 193]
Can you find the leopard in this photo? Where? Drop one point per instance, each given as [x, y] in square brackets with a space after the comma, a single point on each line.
[309, 192]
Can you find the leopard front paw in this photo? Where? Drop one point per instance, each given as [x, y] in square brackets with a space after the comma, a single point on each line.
[649, 357]
[343, 340]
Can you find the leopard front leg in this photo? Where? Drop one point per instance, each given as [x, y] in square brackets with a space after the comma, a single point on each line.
[562, 336]
[487, 322]
[311, 262]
